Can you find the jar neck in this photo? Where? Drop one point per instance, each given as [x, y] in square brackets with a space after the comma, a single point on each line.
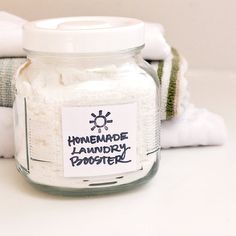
[86, 60]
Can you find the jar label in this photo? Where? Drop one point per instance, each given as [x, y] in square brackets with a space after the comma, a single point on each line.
[99, 140]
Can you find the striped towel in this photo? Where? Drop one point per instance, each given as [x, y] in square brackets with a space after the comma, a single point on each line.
[170, 73]
[174, 93]
[8, 67]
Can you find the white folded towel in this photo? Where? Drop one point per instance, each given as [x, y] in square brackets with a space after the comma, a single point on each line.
[193, 127]
[6, 132]
[11, 35]
[171, 73]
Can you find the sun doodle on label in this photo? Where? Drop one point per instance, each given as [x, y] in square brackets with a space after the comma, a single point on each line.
[100, 121]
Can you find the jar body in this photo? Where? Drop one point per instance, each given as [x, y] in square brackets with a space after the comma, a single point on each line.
[87, 124]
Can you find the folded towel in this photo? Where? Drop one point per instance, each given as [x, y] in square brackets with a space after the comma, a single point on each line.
[182, 125]
[156, 47]
[193, 128]
[8, 67]
[174, 93]
[171, 73]
[10, 35]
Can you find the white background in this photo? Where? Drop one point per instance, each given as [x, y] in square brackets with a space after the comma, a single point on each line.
[193, 194]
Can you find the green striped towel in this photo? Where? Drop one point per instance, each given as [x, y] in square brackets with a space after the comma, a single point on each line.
[8, 67]
[171, 75]
[170, 72]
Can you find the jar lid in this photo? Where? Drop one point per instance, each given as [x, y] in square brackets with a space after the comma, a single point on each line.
[92, 34]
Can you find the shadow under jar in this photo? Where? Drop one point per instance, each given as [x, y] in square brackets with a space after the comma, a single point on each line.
[86, 110]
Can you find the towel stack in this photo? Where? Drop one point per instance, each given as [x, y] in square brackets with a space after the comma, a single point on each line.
[182, 123]
[11, 57]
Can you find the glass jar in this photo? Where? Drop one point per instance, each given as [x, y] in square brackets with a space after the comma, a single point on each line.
[86, 116]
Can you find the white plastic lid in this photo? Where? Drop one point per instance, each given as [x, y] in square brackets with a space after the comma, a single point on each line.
[93, 34]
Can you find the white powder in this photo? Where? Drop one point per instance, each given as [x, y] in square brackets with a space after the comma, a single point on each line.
[50, 87]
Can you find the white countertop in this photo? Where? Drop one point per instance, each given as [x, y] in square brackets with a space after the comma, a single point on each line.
[193, 193]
